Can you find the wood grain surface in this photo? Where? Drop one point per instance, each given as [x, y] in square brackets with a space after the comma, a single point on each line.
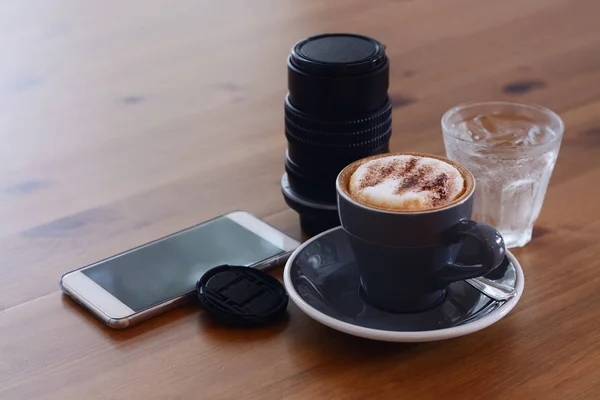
[124, 121]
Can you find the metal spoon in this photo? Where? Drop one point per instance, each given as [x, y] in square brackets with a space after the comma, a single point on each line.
[493, 290]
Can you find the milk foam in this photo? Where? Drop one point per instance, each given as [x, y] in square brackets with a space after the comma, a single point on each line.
[406, 183]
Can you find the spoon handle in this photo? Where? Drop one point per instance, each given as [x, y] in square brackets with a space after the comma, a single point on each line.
[495, 291]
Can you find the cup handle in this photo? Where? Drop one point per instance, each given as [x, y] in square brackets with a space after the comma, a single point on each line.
[491, 251]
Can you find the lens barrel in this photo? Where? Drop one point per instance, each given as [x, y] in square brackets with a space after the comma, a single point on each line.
[337, 111]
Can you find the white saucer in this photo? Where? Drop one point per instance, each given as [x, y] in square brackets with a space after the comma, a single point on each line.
[322, 279]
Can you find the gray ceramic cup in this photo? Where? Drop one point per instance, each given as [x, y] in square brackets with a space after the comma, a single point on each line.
[406, 259]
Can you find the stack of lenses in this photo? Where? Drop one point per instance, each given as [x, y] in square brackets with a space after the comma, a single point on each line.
[336, 112]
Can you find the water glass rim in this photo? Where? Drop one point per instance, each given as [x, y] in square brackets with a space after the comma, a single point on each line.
[447, 128]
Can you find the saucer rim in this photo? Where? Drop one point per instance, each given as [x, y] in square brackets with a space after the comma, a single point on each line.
[400, 336]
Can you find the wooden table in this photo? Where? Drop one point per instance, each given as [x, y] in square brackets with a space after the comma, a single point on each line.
[115, 118]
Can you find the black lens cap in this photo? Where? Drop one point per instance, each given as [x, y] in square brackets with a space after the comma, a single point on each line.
[242, 296]
[338, 54]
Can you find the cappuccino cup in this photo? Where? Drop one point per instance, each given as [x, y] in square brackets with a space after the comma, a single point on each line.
[406, 216]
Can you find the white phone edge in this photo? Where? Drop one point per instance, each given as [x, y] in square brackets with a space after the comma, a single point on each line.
[115, 314]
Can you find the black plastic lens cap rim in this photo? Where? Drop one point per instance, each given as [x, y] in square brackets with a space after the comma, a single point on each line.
[242, 296]
[339, 53]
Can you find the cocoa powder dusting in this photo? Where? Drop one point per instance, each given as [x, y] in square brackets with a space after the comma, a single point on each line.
[377, 174]
[411, 177]
[410, 165]
[374, 176]
[438, 185]
[414, 180]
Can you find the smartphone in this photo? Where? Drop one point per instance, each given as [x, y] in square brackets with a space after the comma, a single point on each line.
[150, 279]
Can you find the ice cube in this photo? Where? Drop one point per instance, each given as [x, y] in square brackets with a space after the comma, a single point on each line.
[499, 130]
[486, 125]
[533, 136]
[463, 131]
[480, 128]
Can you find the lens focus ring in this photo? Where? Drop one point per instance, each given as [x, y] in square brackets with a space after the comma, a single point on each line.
[370, 132]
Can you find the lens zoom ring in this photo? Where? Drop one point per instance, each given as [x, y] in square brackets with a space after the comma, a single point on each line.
[301, 134]
[349, 135]
[296, 117]
[370, 141]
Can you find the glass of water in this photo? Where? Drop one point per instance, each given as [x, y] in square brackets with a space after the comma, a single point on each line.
[511, 150]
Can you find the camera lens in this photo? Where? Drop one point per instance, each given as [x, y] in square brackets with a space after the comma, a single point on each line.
[336, 112]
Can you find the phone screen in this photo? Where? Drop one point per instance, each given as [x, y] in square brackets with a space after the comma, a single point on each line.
[170, 267]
